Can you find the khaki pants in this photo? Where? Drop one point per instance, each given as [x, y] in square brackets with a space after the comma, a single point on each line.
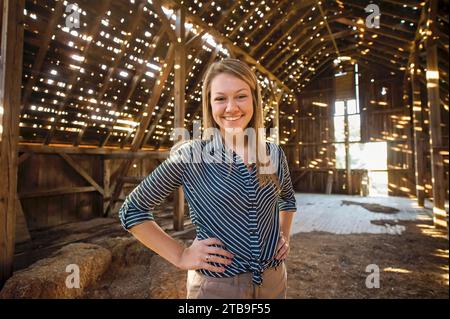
[238, 287]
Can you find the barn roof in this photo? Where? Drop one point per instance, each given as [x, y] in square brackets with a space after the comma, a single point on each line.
[94, 85]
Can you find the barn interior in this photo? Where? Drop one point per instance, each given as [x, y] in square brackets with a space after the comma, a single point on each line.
[355, 92]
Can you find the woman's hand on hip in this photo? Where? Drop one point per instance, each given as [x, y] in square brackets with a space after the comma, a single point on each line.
[282, 247]
[201, 253]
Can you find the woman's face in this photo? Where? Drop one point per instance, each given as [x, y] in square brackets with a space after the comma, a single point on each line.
[231, 102]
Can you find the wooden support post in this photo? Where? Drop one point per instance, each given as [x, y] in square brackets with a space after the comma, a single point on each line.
[440, 217]
[417, 118]
[179, 109]
[330, 147]
[297, 140]
[106, 185]
[10, 99]
[348, 168]
[276, 103]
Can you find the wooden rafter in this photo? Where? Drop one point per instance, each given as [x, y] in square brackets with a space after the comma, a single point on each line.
[73, 79]
[157, 6]
[294, 50]
[42, 52]
[163, 109]
[272, 13]
[138, 138]
[136, 79]
[275, 28]
[385, 11]
[225, 16]
[222, 39]
[384, 32]
[211, 59]
[243, 20]
[299, 21]
[113, 68]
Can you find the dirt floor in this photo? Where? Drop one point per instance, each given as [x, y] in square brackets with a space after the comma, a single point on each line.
[413, 265]
[321, 264]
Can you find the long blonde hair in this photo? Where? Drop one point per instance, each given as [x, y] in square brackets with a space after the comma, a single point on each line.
[242, 71]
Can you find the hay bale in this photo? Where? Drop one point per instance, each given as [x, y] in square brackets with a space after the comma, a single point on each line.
[47, 277]
[169, 283]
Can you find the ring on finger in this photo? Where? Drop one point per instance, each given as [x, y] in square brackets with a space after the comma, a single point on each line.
[208, 257]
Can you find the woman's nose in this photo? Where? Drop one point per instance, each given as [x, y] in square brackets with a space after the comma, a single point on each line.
[231, 105]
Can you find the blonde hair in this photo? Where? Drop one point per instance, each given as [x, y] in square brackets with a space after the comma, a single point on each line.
[243, 72]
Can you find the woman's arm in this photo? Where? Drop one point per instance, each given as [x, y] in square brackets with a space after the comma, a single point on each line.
[286, 223]
[197, 256]
[287, 206]
[136, 216]
[285, 227]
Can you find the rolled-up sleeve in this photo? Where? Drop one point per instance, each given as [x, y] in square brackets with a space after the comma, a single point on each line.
[154, 189]
[286, 200]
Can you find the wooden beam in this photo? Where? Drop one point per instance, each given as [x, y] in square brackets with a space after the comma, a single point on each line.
[23, 157]
[403, 3]
[418, 134]
[348, 163]
[157, 6]
[276, 104]
[211, 59]
[80, 170]
[192, 42]
[227, 14]
[106, 152]
[11, 52]
[57, 192]
[275, 28]
[269, 17]
[300, 40]
[137, 141]
[180, 107]
[384, 11]
[384, 32]
[379, 63]
[293, 27]
[106, 184]
[243, 20]
[381, 48]
[330, 33]
[440, 217]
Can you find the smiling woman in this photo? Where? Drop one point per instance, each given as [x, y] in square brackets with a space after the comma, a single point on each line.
[241, 211]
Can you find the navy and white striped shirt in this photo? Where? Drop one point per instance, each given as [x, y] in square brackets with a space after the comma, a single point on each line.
[225, 201]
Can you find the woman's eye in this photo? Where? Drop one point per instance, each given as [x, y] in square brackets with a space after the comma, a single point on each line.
[242, 96]
[219, 99]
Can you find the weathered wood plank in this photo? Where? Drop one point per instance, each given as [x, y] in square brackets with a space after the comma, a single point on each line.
[11, 53]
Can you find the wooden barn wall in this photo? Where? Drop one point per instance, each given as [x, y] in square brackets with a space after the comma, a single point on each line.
[41, 172]
[139, 170]
[313, 156]
[384, 117]
[44, 172]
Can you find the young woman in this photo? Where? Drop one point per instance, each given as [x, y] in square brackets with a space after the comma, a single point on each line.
[239, 193]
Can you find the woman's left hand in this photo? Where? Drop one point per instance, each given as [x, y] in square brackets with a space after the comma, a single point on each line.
[282, 247]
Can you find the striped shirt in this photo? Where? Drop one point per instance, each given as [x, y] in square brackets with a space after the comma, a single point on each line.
[225, 201]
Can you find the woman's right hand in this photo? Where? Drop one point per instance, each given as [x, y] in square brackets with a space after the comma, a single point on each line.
[200, 254]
